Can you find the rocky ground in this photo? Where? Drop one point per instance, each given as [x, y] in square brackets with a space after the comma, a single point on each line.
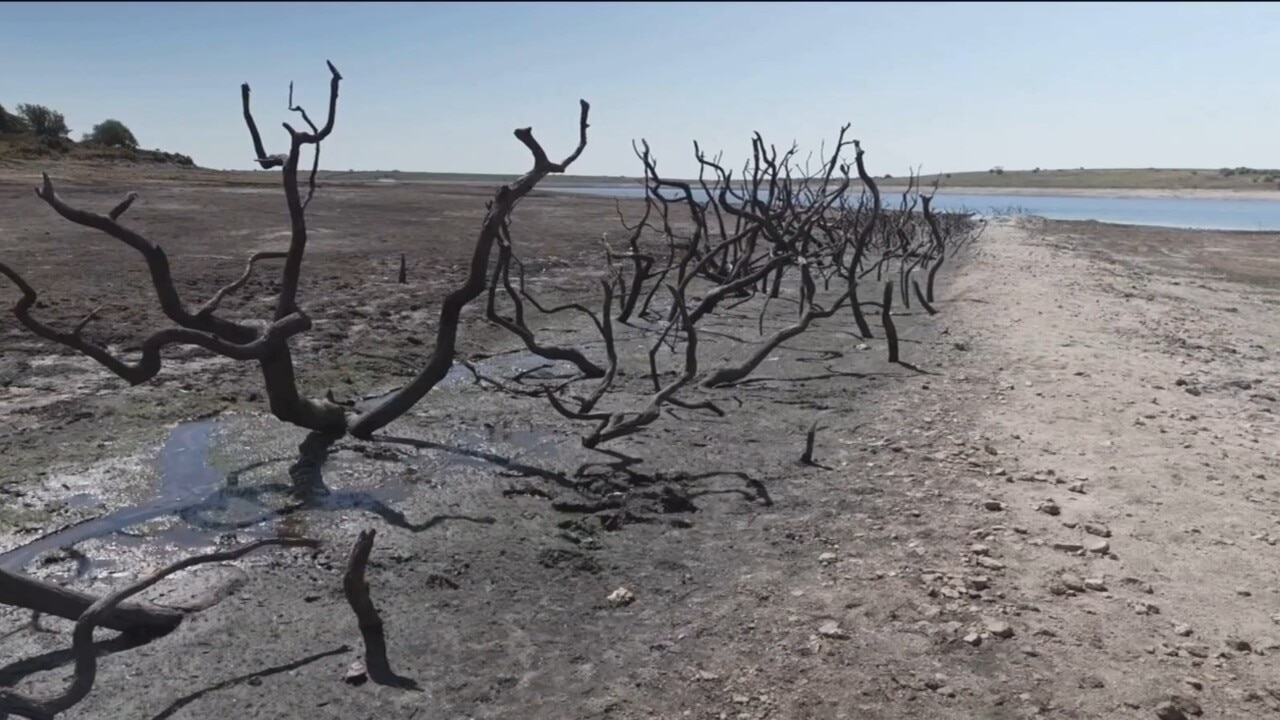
[1069, 513]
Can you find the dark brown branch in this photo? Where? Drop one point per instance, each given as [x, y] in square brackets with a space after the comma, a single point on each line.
[86, 657]
[516, 324]
[120, 209]
[27, 592]
[924, 303]
[209, 307]
[149, 364]
[619, 424]
[399, 402]
[730, 374]
[266, 162]
[356, 589]
[886, 319]
[606, 333]
[157, 265]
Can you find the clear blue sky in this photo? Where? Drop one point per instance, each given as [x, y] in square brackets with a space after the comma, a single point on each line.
[440, 87]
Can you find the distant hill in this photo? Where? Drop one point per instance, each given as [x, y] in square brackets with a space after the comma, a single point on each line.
[26, 147]
[1241, 178]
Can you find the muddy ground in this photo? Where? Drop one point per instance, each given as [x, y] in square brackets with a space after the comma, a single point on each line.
[1083, 384]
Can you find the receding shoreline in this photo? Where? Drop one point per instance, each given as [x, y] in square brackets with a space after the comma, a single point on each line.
[1204, 193]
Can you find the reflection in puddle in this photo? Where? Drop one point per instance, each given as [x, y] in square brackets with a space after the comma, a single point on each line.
[483, 448]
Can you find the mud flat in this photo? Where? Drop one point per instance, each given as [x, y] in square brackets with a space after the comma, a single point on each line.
[1067, 513]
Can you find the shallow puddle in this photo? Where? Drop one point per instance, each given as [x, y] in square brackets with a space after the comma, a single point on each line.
[197, 502]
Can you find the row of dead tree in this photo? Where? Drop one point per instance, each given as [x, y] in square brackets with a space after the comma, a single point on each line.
[805, 235]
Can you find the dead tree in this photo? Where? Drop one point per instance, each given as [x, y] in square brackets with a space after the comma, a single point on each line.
[86, 656]
[268, 343]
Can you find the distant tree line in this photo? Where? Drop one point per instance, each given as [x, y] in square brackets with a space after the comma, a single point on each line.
[50, 127]
[1260, 175]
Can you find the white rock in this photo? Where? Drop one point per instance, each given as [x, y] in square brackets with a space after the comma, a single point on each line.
[831, 629]
[621, 597]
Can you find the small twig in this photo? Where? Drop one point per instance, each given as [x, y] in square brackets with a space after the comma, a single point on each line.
[221, 295]
[80, 326]
[119, 210]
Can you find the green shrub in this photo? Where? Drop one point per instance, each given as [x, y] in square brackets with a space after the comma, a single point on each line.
[111, 133]
[11, 124]
[44, 122]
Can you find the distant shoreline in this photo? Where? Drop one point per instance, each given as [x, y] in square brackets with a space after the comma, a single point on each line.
[1186, 193]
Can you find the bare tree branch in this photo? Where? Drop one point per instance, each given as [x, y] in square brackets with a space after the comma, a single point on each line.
[209, 307]
[149, 364]
[86, 657]
[356, 589]
[399, 402]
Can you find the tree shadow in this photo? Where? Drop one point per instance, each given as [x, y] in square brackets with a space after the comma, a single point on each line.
[913, 368]
[16, 671]
[259, 674]
[493, 458]
[831, 375]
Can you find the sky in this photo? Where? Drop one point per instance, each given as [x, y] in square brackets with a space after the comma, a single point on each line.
[937, 87]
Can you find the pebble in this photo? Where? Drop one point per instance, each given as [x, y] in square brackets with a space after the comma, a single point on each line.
[1243, 592]
[827, 558]
[1068, 546]
[621, 597]
[1076, 487]
[993, 505]
[1145, 608]
[1049, 507]
[1073, 582]
[973, 639]
[1182, 630]
[1193, 682]
[979, 549]
[1099, 547]
[831, 629]
[979, 582]
[990, 563]
[1094, 584]
[1096, 529]
[999, 628]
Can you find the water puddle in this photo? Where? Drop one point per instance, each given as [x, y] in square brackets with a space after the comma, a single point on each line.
[509, 448]
[196, 502]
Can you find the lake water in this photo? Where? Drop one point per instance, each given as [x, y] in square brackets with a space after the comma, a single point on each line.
[1200, 213]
